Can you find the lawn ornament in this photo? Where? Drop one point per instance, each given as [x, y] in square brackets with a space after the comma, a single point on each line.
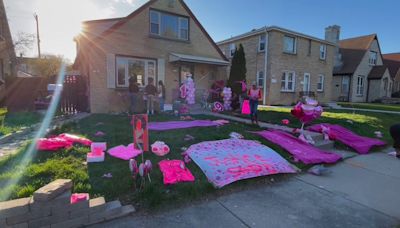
[218, 107]
[227, 97]
[191, 90]
[285, 122]
[235, 135]
[160, 148]
[306, 112]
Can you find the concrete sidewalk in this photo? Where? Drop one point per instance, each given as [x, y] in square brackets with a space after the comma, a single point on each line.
[361, 192]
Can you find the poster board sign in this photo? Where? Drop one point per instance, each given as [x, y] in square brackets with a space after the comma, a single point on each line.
[140, 131]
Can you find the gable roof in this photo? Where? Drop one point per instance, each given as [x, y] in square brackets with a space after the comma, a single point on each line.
[353, 51]
[392, 61]
[110, 25]
[377, 72]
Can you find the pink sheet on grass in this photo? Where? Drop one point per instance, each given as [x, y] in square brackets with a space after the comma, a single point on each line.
[359, 143]
[230, 160]
[301, 151]
[124, 152]
[174, 171]
[171, 125]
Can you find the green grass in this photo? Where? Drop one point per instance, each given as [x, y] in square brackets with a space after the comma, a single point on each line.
[48, 166]
[373, 106]
[364, 123]
[15, 121]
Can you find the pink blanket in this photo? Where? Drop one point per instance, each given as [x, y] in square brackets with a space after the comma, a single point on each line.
[301, 151]
[171, 125]
[359, 143]
[62, 141]
[124, 152]
[174, 171]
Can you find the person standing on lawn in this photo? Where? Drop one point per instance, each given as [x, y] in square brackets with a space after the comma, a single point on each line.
[395, 133]
[150, 91]
[254, 95]
[161, 95]
[133, 91]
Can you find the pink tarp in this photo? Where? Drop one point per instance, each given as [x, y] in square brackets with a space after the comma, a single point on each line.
[230, 160]
[359, 143]
[170, 125]
[174, 171]
[301, 151]
[124, 152]
[62, 141]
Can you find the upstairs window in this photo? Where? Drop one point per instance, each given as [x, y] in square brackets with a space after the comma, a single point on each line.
[289, 44]
[320, 83]
[288, 81]
[232, 49]
[372, 58]
[169, 26]
[322, 51]
[261, 43]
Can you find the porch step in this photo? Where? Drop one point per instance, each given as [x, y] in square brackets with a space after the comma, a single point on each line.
[325, 144]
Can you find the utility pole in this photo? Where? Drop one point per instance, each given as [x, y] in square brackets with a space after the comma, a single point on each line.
[37, 33]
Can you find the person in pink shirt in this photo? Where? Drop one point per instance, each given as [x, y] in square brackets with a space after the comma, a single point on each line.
[254, 95]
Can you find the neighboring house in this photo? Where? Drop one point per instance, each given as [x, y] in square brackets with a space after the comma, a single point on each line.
[286, 64]
[392, 61]
[25, 67]
[359, 74]
[7, 53]
[162, 40]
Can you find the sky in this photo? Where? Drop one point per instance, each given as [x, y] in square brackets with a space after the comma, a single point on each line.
[60, 20]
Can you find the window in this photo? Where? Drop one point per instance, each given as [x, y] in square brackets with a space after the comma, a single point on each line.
[141, 69]
[288, 81]
[360, 86]
[322, 51]
[289, 44]
[260, 79]
[320, 83]
[261, 43]
[169, 25]
[385, 84]
[345, 85]
[372, 58]
[232, 49]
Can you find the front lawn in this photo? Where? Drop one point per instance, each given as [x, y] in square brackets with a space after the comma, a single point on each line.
[16, 121]
[363, 123]
[48, 166]
[372, 106]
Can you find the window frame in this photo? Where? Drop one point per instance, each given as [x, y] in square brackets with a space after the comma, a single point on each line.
[260, 73]
[322, 51]
[321, 82]
[232, 50]
[179, 19]
[126, 60]
[360, 86]
[286, 89]
[262, 41]
[294, 52]
[374, 60]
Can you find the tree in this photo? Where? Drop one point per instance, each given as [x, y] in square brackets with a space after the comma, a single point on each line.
[238, 70]
[24, 43]
[48, 65]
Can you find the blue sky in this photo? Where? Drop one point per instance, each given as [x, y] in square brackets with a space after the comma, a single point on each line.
[60, 19]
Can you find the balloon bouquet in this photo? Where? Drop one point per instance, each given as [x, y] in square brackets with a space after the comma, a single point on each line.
[188, 90]
[227, 97]
[306, 112]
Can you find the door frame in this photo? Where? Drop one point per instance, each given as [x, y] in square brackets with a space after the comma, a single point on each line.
[308, 84]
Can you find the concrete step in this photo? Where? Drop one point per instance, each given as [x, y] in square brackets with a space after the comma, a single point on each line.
[325, 144]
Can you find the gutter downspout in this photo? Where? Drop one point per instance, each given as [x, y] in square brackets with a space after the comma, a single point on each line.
[265, 66]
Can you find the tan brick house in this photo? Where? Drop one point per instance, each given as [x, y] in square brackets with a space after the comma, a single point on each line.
[162, 39]
[392, 61]
[285, 63]
[359, 74]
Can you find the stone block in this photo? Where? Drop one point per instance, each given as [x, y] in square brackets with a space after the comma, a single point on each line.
[21, 225]
[52, 190]
[70, 223]
[14, 207]
[27, 216]
[123, 211]
[66, 209]
[97, 205]
[59, 201]
[52, 219]
[3, 222]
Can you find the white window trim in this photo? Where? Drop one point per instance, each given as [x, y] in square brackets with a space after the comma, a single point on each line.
[126, 61]
[309, 82]
[287, 82]
[322, 54]
[321, 76]
[159, 22]
[374, 61]
[232, 51]
[295, 45]
[258, 78]
[259, 42]
[179, 25]
[358, 87]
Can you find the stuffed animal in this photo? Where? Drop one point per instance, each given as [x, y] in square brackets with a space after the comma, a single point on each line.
[160, 148]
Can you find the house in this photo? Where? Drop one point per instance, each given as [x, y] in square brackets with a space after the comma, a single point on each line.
[359, 74]
[7, 53]
[286, 64]
[392, 61]
[162, 40]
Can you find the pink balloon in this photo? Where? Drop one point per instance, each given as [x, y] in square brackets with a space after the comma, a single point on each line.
[141, 169]
[148, 166]
[312, 102]
[307, 109]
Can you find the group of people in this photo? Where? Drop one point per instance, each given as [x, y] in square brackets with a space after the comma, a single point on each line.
[151, 94]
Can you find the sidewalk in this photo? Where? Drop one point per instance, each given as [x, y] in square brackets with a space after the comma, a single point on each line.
[361, 192]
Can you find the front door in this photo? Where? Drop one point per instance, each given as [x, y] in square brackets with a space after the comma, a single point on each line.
[185, 69]
[306, 82]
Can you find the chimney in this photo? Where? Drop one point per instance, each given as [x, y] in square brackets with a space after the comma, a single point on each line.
[332, 34]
